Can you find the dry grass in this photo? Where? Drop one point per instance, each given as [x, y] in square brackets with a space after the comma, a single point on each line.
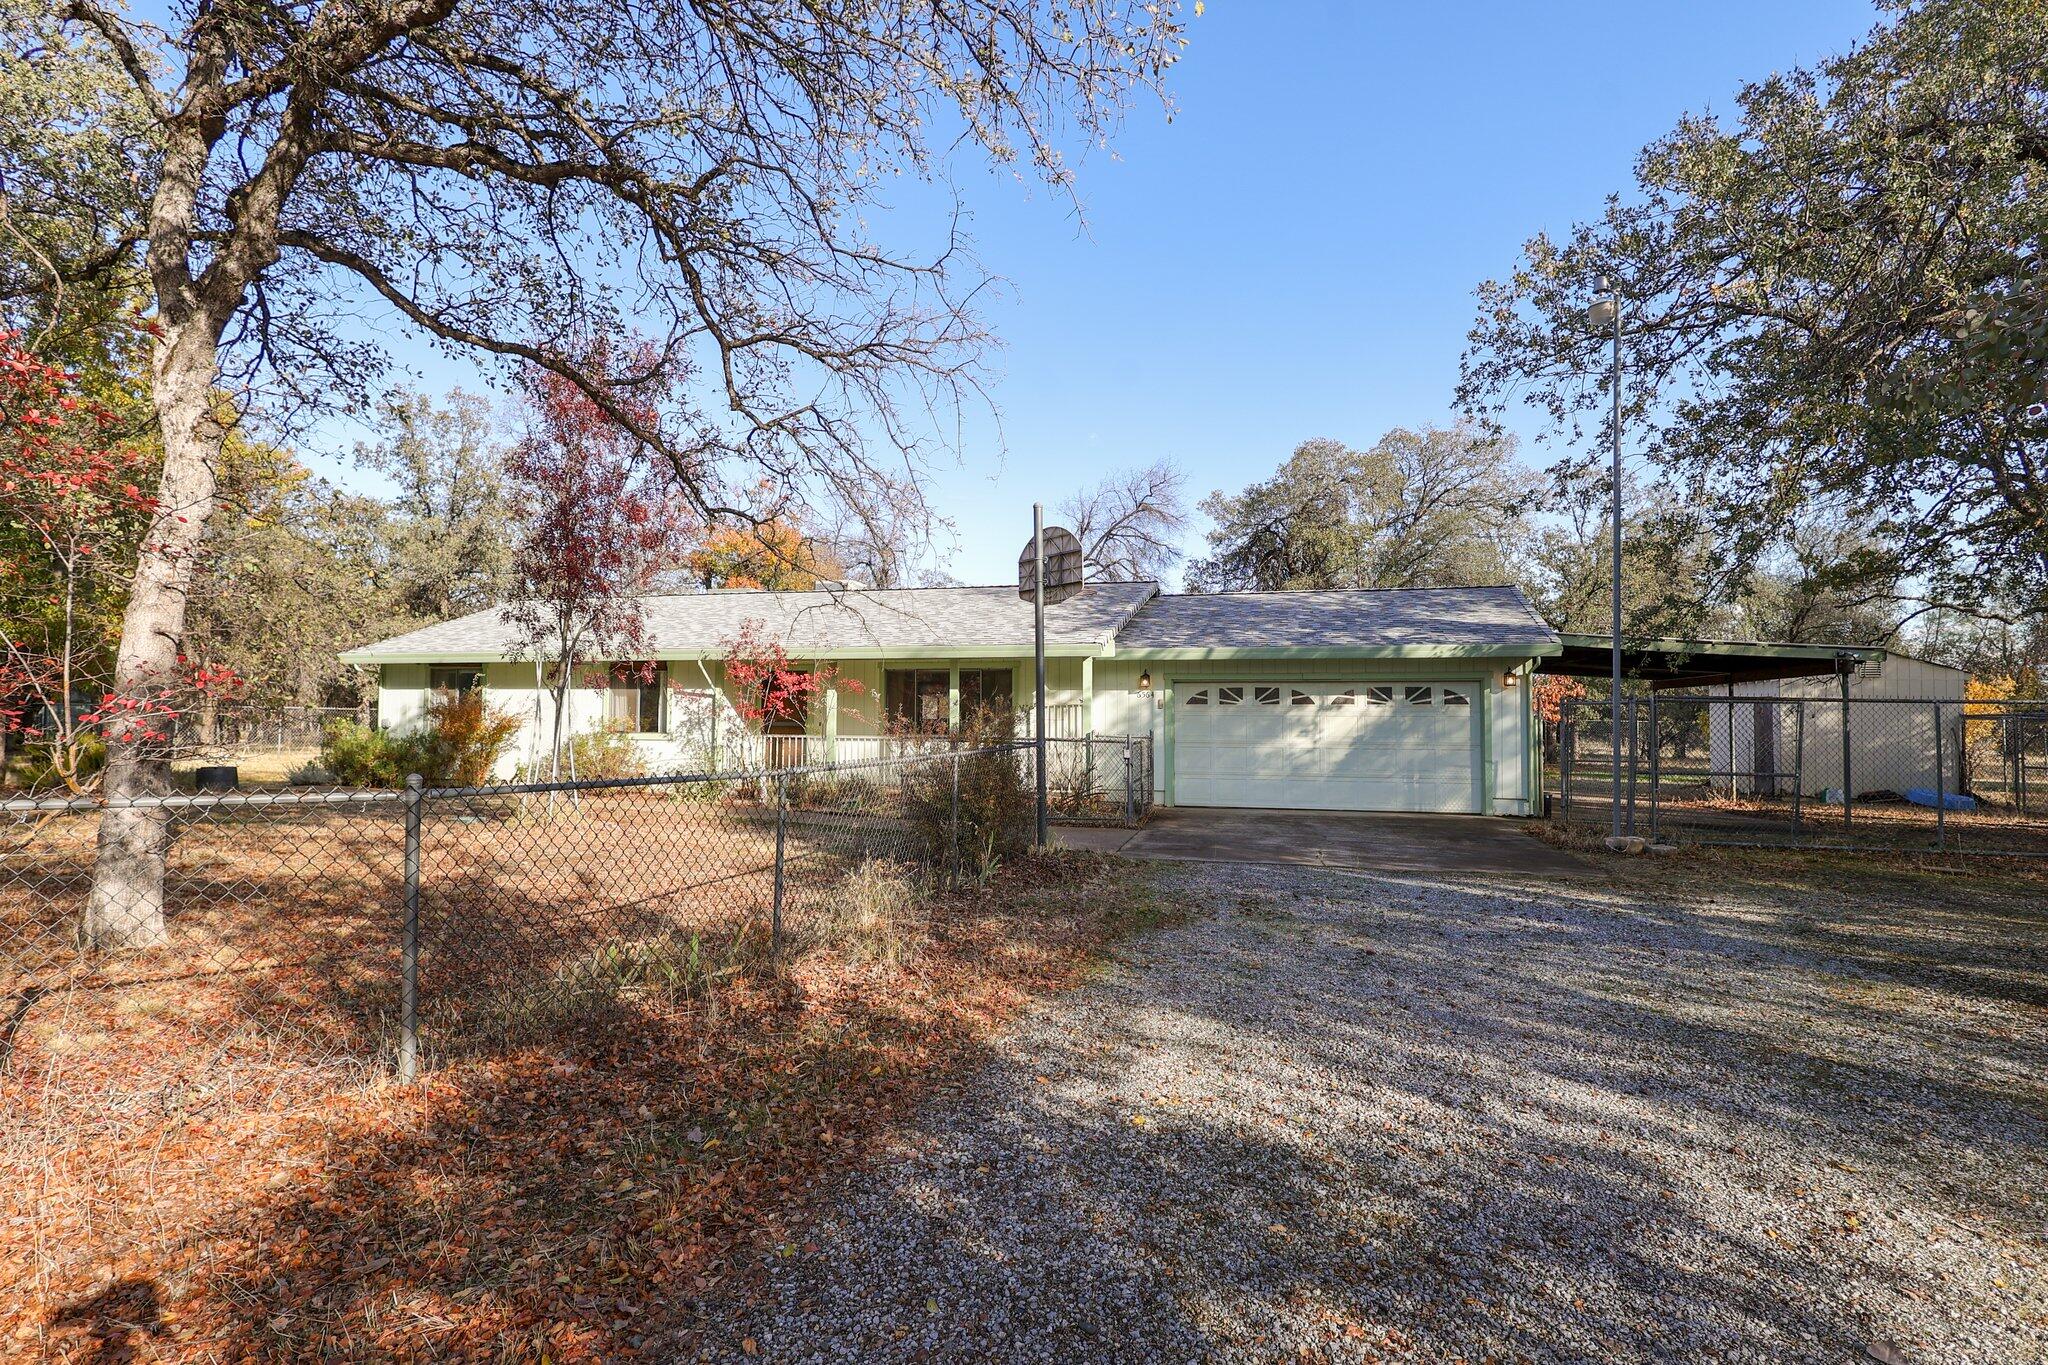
[204, 1159]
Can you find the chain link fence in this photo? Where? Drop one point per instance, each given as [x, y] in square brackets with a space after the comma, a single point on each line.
[301, 944]
[1099, 779]
[1969, 776]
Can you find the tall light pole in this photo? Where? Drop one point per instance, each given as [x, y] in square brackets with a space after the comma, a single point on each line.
[1607, 313]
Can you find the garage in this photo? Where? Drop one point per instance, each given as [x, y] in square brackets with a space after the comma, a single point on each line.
[1307, 745]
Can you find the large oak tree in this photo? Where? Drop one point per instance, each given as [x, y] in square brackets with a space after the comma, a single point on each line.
[509, 176]
[1834, 314]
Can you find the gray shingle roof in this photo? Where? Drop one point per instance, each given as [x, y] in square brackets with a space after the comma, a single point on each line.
[812, 623]
[1133, 615]
[1496, 617]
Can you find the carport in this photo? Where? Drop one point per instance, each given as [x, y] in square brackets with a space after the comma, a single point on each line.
[1666, 664]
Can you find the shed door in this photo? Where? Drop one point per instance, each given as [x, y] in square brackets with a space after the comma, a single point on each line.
[1328, 746]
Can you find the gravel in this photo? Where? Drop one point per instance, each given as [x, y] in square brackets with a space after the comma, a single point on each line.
[1345, 1117]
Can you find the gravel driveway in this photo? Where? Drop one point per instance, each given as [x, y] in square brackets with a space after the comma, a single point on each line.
[1351, 1117]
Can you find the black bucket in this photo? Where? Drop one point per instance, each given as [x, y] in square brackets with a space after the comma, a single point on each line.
[219, 778]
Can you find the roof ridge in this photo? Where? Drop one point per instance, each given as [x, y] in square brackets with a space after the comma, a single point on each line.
[1303, 592]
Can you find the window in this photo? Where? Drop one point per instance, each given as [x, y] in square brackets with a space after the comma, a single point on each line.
[1453, 697]
[1348, 697]
[918, 697]
[1229, 696]
[461, 679]
[1301, 698]
[1379, 696]
[1200, 698]
[1417, 696]
[1266, 696]
[989, 687]
[632, 702]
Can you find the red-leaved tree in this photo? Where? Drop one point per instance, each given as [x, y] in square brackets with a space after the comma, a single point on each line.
[72, 514]
[598, 522]
[767, 687]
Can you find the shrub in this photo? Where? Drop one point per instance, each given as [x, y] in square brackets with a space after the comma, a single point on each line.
[599, 754]
[357, 756]
[459, 743]
[993, 819]
[464, 739]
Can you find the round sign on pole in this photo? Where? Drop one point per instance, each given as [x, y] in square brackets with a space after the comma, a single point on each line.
[1062, 566]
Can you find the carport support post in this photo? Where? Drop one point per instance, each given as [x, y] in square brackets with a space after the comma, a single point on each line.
[409, 940]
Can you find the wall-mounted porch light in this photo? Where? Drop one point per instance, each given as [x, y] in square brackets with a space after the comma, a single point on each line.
[1510, 680]
[1145, 680]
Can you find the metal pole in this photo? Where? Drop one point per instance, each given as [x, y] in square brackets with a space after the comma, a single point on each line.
[781, 837]
[1798, 759]
[1848, 786]
[1130, 785]
[409, 940]
[1940, 786]
[1614, 293]
[953, 825]
[1566, 737]
[1634, 760]
[1655, 770]
[1038, 653]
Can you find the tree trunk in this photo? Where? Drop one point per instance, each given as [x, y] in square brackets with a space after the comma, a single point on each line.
[126, 908]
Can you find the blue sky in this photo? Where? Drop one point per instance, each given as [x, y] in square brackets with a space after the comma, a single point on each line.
[1294, 254]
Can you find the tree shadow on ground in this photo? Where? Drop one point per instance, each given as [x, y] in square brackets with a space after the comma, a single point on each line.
[585, 1199]
[1492, 1124]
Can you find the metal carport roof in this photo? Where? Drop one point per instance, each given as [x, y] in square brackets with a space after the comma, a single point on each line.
[1701, 663]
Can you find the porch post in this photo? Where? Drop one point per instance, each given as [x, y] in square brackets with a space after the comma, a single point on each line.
[1088, 694]
[832, 723]
[953, 695]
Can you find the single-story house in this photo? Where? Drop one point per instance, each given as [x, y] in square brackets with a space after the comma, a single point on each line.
[1412, 699]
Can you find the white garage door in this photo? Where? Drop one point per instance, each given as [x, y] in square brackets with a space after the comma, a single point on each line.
[1327, 746]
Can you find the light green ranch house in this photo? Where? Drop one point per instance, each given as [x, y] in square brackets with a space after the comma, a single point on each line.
[1412, 699]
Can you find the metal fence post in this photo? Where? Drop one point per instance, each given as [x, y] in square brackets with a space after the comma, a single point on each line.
[1798, 758]
[781, 840]
[1565, 738]
[1633, 748]
[1940, 785]
[953, 825]
[1130, 785]
[409, 939]
[1656, 769]
[1848, 786]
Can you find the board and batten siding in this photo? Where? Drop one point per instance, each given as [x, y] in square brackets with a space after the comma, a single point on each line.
[1891, 746]
[1122, 708]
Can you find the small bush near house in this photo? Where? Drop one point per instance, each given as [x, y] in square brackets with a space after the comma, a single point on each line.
[990, 822]
[606, 753]
[355, 755]
[459, 743]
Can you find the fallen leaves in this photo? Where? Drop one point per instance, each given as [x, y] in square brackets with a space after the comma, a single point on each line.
[582, 1203]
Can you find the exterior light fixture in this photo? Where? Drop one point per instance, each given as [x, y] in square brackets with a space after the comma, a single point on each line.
[1145, 681]
[1510, 679]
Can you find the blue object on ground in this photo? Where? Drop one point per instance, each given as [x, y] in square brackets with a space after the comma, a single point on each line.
[1925, 796]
